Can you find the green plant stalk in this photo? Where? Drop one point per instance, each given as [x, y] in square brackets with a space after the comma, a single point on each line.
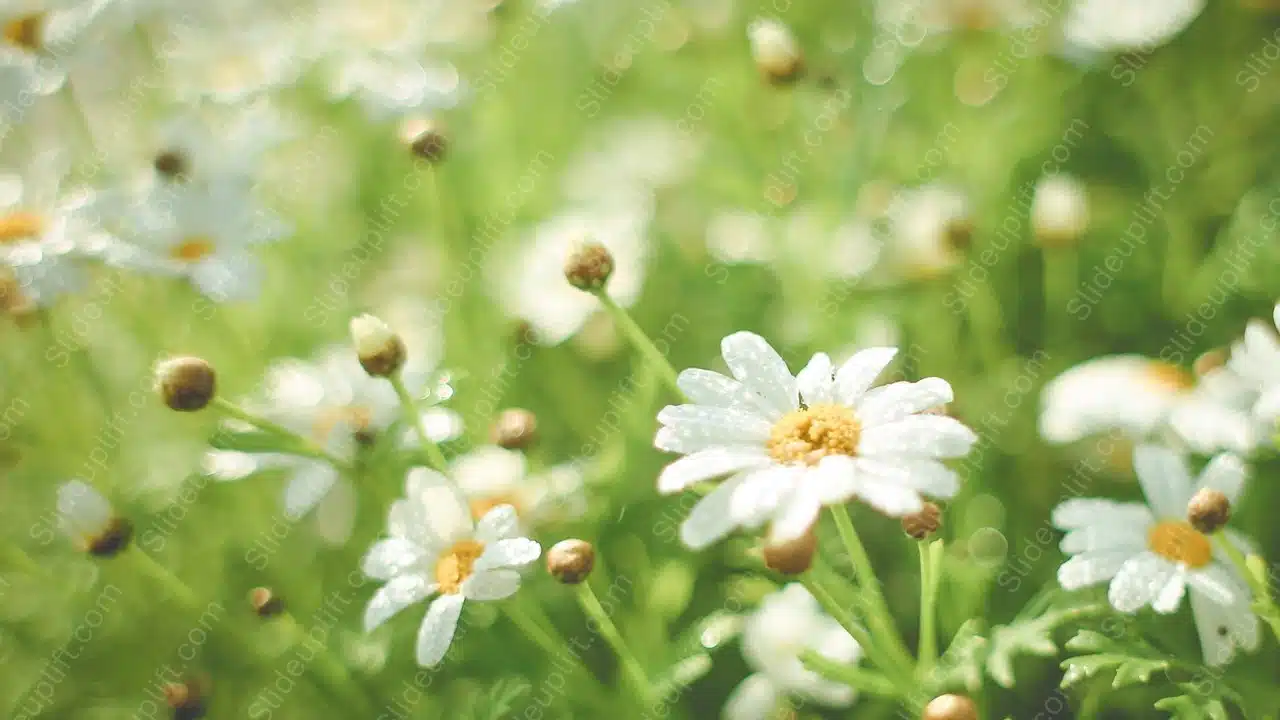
[330, 673]
[899, 675]
[303, 446]
[640, 341]
[160, 575]
[879, 620]
[414, 418]
[18, 558]
[927, 652]
[630, 665]
[855, 677]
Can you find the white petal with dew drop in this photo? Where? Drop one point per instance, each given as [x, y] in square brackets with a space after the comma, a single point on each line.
[689, 431]
[1092, 568]
[448, 513]
[1085, 512]
[1165, 479]
[889, 498]
[760, 369]
[512, 552]
[390, 557]
[705, 387]
[436, 632]
[1168, 598]
[1104, 537]
[759, 493]
[898, 400]
[835, 478]
[795, 516]
[928, 435]
[710, 519]
[1138, 581]
[396, 595]
[920, 474]
[491, 585]
[816, 382]
[1218, 584]
[709, 464]
[1223, 629]
[498, 524]
[859, 373]
[1224, 473]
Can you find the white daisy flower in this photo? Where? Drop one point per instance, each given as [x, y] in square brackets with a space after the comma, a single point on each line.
[850, 248]
[42, 36]
[190, 147]
[1145, 399]
[1256, 359]
[1125, 25]
[792, 444]
[204, 233]
[931, 227]
[917, 18]
[787, 622]
[530, 280]
[88, 519]
[435, 548]
[1151, 555]
[490, 476]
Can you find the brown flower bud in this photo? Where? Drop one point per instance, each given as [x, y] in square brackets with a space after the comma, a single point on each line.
[187, 699]
[950, 707]
[1208, 511]
[265, 603]
[793, 557]
[589, 267]
[514, 429]
[171, 164]
[113, 540]
[425, 138]
[380, 350]
[570, 561]
[186, 384]
[922, 524]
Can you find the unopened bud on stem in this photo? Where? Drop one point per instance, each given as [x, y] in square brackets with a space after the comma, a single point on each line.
[589, 267]
[570, 561]
[922, 524]
[186, 384]
[514, 429]
[1208, 511]
[775, 50]
[379, 348]
[792, 557]
[950, 707]
[265, 603]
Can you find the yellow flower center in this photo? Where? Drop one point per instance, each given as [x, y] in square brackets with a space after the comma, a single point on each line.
[356, 417]
[1169, 377]
[808, 435]
[24, 32]
[20, 226]
[1176, 540]
[196, 247]
[456, 565]
[482, 505]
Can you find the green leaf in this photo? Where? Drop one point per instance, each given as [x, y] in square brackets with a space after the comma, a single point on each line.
[500, 701]
[962, 663]
[1028, 637]
[1131, 663]
[250, 441]
[1193, 707]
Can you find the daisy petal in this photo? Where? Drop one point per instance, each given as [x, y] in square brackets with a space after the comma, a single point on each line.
[889, 498]
[499, 523]
[1218, 585]
[437, 629]
[1105, 537]
[308, 486]
[512, 552]
[491, 585]
[795, 516]
[1224, 473]
[755, 698]
[760, 369]
[706, 387]
[448, 515]
[1091, 568]
[1085, 512]
[836, 479]
[1165, 479]
[710, 520]
[921, 474]
[815, 382]
[901, 399]
[708, 464]
[934, 436]
[690, 428]
[1138, 581]
[761, 491]
[1168, 598]
[1223, 628]
[860, 371]
[395, 596]
[390, 557]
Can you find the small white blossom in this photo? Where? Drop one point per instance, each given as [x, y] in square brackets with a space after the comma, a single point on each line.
[490, 476]
[1126, 25]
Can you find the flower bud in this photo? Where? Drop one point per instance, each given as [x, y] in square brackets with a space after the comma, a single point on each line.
[950, 707]
[88, 519]
[922, 524]
[589, 267]
[570, 561]
[1208, 511]
[1060, 211]
[379, 348]
[186, 384]
[775, 50]
[514, 429]
[171, 164]
[265, 603]
[792, 557]
[187, 699]
[425, 138]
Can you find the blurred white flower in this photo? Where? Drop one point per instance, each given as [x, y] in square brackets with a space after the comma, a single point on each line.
[42, 36]
[1256, 359]
[490, 476]
[1059, 210]
[531, 281]
[83, 513]
[793, 444]
[931, 227]
[1147, 399]
[204, 233]
[221, 58]
[774, 49]
[786, 623]
[435, 548]
[210, 150]
[911, 20]
[1151, 555]
[630, 158]
[1124, 25]
[848, 249]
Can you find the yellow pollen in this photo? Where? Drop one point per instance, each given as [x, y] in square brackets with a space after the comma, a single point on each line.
[20, 226]
[1176, 540]
[192, 249]
[1169, 377]
[24, 32]
[357, 418]
[455, 565]
[806, 436]
[481, 505]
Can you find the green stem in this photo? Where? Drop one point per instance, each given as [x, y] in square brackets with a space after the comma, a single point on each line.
[841, 614]
[160, 575]
[415, 419]
[332, 673]
[928, 648]
[18, 558]
[640, 341]
[303, 445]
[851, 675]
[630, 665]
[879, 620]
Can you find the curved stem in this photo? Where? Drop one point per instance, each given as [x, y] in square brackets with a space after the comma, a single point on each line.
[851, 675]
[640, 341]
[304, 446]
[415, 420]
[879, 619]
[900, 676]
[630, 665]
